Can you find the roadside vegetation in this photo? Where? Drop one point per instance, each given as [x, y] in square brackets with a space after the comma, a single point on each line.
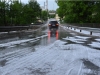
[80, 11]
[20, 14]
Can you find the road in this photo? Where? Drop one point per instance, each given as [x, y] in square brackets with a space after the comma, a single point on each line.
[63, 53]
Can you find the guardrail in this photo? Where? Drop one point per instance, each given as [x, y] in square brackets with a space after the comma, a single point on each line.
[90, 30]
[20, 28]
[13, 28]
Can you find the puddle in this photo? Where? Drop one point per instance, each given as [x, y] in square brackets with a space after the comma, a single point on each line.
[34, 71]
[64, 35]
[90, 41]
[96, 48]
[2, 48]
[94, 70]
[33, 49]
[3, 62]
[70, 42]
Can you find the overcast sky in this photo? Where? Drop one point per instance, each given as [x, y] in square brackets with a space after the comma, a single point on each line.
[51, 3]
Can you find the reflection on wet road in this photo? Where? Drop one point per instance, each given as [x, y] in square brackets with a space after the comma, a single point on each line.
[50, 53]
[52, 36]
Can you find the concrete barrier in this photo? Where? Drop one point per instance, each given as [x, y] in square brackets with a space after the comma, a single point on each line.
[13, 28]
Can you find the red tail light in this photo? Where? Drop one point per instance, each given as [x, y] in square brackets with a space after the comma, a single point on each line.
[49, 24]
[57, 24]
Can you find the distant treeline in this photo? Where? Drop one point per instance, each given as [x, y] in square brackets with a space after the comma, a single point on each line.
[16, 13]
[79, 11]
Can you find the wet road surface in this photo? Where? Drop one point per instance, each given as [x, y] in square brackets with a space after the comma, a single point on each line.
[55, 65]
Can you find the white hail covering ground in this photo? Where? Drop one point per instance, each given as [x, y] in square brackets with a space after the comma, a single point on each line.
[58, 58]
[14, 43]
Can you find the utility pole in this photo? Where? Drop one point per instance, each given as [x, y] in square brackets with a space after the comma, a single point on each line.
[44, 5]
[47, 8]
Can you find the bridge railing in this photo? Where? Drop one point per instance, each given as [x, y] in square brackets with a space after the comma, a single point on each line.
[13, 28]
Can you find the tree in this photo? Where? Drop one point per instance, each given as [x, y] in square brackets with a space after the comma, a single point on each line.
[34, 11]
[76, 11]
[61, 10]
[96, 13]
[3, 12]
[52, 16]
[44, 15]
[16, 13]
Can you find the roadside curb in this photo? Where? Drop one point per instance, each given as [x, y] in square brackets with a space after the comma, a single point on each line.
[66, 28]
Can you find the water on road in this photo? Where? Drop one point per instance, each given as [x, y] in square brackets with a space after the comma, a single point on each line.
[60, 52]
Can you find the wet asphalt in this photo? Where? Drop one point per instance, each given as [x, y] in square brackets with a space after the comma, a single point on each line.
[51, 37]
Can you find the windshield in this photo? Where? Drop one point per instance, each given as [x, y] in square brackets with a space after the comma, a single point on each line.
[53, 22]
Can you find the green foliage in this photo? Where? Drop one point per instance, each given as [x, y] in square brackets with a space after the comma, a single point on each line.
[52, 16]
[15, 13]
[52, 11]
[2, 12]
[44, 15]
[62, 8]
[96, 14]
[79, 11]
[18, 13]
